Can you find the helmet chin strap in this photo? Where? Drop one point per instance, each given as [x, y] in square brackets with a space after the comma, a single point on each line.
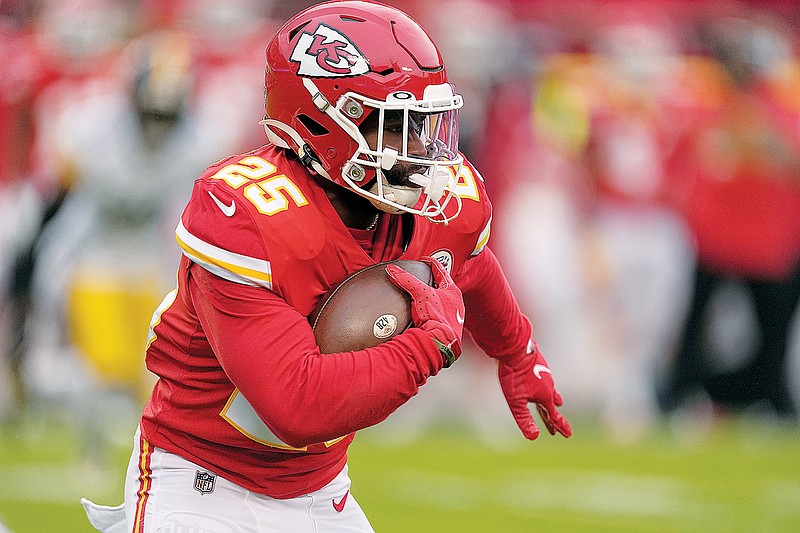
[302, 148]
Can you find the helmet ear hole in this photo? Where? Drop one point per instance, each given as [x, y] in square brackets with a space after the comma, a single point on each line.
[314, 127]
[297, 30]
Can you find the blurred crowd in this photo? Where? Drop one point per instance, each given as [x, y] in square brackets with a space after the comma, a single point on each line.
[643, 159]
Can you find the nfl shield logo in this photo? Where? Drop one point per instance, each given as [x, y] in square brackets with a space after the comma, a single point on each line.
[204, 482]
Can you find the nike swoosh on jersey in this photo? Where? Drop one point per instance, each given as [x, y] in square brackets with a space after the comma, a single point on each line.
[459, 318]
[227, 210]
[538, 369]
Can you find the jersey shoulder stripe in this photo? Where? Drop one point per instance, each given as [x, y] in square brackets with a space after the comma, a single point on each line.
[234, 267]
[165, 304]
[483, 238]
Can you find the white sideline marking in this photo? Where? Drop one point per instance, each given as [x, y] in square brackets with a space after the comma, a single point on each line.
[56, 483]
[600, 493]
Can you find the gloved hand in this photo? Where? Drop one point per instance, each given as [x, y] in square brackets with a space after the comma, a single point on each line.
[527, 378]
[439, 310]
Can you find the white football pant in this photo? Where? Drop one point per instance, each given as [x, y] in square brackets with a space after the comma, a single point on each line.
[178, 496]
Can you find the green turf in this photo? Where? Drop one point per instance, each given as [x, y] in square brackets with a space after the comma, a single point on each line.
[743, 477]
[737, 480]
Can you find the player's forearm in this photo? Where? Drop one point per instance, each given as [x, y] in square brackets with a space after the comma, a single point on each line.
[325, 396]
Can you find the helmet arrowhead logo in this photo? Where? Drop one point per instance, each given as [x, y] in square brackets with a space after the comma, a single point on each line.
[327, 53]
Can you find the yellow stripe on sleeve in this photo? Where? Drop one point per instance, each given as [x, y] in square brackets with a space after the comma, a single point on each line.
[228, 265]
[483, 239]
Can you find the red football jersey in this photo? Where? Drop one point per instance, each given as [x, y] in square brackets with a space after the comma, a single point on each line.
[243, 389]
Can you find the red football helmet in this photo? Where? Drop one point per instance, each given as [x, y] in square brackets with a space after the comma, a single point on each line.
[333, 65]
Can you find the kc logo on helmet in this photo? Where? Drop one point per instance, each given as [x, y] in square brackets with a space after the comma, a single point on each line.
[327, 53]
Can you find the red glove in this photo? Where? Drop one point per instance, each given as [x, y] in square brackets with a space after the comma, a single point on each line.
[527, 378]
[439, 310]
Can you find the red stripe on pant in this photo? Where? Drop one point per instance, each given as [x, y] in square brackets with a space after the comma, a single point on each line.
[145, 482]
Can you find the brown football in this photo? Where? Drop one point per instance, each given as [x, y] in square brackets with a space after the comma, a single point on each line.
[365, 309]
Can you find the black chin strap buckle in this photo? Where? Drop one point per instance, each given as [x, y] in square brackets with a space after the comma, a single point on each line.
[307, 157]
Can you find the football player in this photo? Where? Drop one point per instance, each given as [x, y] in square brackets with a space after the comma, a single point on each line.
[248, 426]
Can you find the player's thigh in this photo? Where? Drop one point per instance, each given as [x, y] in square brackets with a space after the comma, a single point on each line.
[165, 493]
[334, 509]
[331, 509]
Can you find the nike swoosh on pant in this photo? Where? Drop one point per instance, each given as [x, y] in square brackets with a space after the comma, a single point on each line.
[340, 506]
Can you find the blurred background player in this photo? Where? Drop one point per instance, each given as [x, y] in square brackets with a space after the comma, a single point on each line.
[18, 80]
[72, 56]
[638, 247]
[740, 165]
[125, 154]
[63, 51]
[226, 40]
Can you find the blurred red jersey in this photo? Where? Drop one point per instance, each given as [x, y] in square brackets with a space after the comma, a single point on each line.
[742, 199]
